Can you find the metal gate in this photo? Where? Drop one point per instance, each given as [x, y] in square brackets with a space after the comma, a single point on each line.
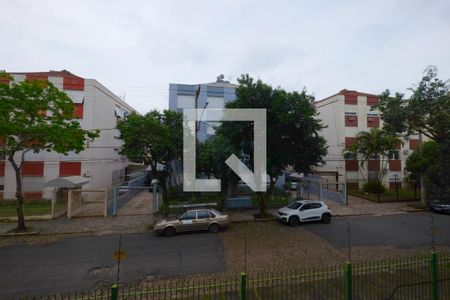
[315, 188]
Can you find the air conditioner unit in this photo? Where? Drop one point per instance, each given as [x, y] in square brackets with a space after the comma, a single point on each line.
[405, 152]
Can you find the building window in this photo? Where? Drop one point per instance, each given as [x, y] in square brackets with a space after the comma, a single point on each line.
[351, 165]
[372, 100]
[373, 120]
[349, 141]
[373, 165]
[78, 111]
[69, 168]
[351, 119]
[119, 113]
[413, 144]
[351, 99]
[394, 155]
[73, 83]
[395, 165]
[33, 168]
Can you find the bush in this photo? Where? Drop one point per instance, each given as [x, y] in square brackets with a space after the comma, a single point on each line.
[374, 187]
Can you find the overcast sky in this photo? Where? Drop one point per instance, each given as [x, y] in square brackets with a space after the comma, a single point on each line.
[137, 48]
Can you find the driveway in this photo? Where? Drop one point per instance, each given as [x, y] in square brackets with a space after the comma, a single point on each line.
[398, 230]
[75, 264]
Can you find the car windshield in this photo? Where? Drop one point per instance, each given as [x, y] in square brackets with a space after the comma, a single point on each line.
[294, 205]
[179, 215]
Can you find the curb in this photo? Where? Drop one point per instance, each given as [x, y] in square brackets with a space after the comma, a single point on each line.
[33, 233]
[150, 227]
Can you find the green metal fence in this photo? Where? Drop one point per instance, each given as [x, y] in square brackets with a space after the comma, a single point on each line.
[422, 277]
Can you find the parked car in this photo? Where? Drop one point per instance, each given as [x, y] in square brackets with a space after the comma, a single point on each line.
[304, 211]
[439, 206]
[193, 220]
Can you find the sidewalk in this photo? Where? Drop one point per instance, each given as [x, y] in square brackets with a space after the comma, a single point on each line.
[358, 206]
[94, 225]
[142, 223]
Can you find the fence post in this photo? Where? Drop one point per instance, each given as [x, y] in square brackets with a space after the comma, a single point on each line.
[433, 276]
[243, 286]
[320, 191]
[345, 192]
[114, 212]
[348, 281]
[114, 292]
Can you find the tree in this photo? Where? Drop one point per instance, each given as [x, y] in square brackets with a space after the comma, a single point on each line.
[36, 116]
[211, 161]
[292, 131]
[433, 163]
[154, 139]
[374, 144]
[426, 112]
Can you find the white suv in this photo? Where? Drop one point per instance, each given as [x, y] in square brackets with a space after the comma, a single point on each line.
[304, 211]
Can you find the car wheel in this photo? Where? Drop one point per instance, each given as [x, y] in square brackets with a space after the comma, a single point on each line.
[294, 221]
[169, 231]
[214, 228]
[326, 218]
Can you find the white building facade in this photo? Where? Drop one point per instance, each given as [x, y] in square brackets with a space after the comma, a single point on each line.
[344, 115]
[95, 108]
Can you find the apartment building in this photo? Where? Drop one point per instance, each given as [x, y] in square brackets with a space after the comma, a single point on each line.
[100, 163]
[210, 95]
[345, 114]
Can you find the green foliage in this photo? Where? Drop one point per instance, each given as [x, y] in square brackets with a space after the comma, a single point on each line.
[376, 143]
[292, 130]
[433, 164]
[292, 126]
[36, 116]
[426, 112]
[374, 187]
[154, 139]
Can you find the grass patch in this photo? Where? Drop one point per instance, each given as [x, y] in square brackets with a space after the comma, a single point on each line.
[387, 196]
[38, 208]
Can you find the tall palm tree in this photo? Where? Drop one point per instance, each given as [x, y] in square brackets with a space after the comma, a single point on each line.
[374, 144]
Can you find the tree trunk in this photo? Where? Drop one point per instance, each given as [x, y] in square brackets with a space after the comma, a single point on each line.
[19, 197]
[262, 201]
[165, 197]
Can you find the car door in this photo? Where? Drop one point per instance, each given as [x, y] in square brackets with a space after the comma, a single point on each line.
[316, 211]
[306, 212]
[203, 219]
[187, 221]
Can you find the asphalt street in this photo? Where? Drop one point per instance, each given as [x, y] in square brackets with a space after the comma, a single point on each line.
[75, 264]
[410, 230]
